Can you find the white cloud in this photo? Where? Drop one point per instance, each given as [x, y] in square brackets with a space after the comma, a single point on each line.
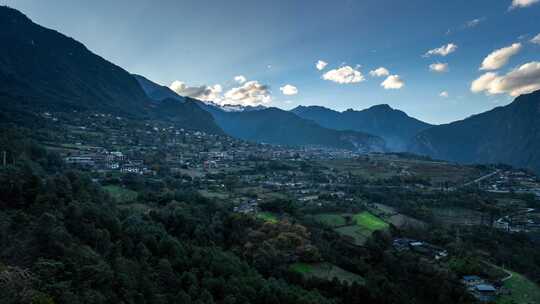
[442, 51]
[500, 57]
[343, 75]
[536, 39]
[439, 67]
[379, 72]
[393, 82]
[251, 93]
[474, 22]
[321, 65]
[204, 92]
[240, 79]
[289, 90]
[522, 3]
[522, 80]
[444, 94]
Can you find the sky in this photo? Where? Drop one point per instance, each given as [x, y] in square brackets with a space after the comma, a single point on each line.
[438, 61]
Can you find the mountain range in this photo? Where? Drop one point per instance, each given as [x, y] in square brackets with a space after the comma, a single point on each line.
[276, 126]
[43, 70]
[394, 126]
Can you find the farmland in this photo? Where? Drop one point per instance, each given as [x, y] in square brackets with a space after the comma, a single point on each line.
[357, 228]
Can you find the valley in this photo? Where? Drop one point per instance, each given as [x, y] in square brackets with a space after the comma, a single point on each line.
[117, 189]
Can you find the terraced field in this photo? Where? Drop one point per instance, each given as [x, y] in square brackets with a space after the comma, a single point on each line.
[356, 228]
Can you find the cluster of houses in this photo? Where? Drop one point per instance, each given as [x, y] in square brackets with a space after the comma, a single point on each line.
[506, 181]
[420, 247]
[104, 160]
[482, 290]
[248, 207]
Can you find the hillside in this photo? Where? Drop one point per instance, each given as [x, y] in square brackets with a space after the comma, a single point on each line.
[275, 126]
[43, 70]
[155, 91]
[394, 126]
[509, 134]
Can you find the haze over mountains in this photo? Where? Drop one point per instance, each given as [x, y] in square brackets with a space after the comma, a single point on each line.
[43, 70]
[277, 126]
[394, 126]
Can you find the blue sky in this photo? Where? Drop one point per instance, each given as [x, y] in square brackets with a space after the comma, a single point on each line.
[275, 43]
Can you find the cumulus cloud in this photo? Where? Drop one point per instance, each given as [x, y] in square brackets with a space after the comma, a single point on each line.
[344, 75]
[204, 92]
[240, 79]
[500, 57]
[321, 65]
[439, 67]
[444, 50]
[289, 90]
[522, 3]
[444, 94]
[251, 93]
[380, 72]
[522, 80]
[536, 39]
[393, 82]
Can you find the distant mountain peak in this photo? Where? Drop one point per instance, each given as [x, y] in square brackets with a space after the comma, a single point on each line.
[384, 107]
[393, 125]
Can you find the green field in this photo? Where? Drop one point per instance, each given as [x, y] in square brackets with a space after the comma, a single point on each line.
[326, 271]
[121, 194]
[330, 219]
[522, 290]
[364, 225]
[268, 217]
[369, 221]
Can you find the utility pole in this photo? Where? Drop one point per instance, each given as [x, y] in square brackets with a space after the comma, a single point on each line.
[4, 158]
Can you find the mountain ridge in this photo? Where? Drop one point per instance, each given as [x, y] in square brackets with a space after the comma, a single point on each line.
[44, 70]
[276, 126]
[507, 134]
[394, 126]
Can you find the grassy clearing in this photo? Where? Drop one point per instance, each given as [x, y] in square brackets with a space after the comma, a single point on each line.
[331, 219]
[326, 271]
[363, 225]
[301, 268]
[369, 221]
[268, 217]
[121, 194]
[522, 290]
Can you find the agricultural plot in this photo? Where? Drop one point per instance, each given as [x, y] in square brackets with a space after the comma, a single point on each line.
[355, 228]
[326, 271]
[369, 222]
[390, 215]
[458, 216]
[121, 194]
